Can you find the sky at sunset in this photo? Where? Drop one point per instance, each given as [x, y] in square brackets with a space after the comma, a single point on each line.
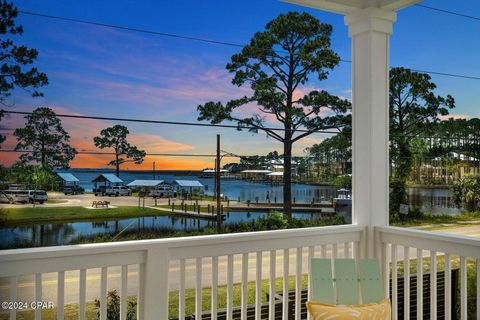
[106, 72]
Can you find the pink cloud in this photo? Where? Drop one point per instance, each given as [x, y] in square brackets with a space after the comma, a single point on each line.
[81, 133]
[454, 116]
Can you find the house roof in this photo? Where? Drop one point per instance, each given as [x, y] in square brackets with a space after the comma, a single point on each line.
[189, 183]
[145, 183]
[67, 177]
[256, 171]
[213, 170]
[110, 177]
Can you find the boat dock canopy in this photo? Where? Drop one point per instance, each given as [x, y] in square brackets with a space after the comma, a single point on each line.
[145, 183]
[110, 177]
[188, 183]
[67, 177]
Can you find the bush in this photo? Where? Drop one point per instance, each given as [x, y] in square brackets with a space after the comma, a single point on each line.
[113, 307]
[466, 191]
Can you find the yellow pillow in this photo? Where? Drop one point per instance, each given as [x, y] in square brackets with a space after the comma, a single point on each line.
[371, 311]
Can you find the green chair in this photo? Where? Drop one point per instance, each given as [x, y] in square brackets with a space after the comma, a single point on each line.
[347, 282]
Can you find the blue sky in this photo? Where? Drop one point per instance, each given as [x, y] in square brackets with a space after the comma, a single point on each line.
[101, 71]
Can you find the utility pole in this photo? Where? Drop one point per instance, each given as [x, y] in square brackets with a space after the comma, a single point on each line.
[217, 185]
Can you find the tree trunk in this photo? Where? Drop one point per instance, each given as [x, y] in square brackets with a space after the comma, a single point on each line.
[403, 168]
[287, 178]
[117, 165]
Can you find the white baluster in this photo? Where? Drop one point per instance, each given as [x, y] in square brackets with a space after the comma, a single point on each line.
[60, 295]
[394, 283]
[230, 287]
[406, 282]
[123, 292]
[244, 286]
[82, 294]
[272, 279]
[433, 285]
[214, 287]
[181, 291]
[103, 293]
[286, 266]
[448, 287]
[198, 289]
[419, 284]
[463, 288]
[38, 295]
[258, 286]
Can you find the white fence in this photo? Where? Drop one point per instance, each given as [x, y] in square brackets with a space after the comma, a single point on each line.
[428, 248]
[155, 257]
[242, 260]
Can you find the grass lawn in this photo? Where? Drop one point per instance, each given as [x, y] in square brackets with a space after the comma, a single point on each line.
[13, 216]
[71, 311]
[431, 219]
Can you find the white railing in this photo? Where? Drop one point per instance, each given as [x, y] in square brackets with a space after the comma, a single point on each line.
[185, 263]
[401, 247]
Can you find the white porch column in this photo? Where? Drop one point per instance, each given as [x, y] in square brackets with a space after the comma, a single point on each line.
[370, 30]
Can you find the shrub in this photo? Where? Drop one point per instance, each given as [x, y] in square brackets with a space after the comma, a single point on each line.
[113, 307]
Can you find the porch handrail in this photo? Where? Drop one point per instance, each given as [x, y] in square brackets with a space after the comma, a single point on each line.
[428, 245]
[154, 257]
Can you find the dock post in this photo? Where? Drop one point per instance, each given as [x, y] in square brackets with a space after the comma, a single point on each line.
[198, 209]
[213, 210]
[208, 208]
[173, 206]
[248, 203]
[294, 200]
[275, 199]
[168, 201]
[185, 208]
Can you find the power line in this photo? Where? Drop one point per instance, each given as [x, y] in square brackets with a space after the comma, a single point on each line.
[448, 12]
[210, 41]
[165, 122]
[113, 153]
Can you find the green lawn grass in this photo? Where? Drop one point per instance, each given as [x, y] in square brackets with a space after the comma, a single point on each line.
[71, 310]
[14, 216]
[436, 219]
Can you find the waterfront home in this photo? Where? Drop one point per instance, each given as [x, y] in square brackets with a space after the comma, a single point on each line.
[254, 174]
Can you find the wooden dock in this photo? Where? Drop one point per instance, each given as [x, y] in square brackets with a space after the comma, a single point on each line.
[188, 214]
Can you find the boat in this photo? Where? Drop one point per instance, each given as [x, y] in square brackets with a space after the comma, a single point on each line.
[343, 198]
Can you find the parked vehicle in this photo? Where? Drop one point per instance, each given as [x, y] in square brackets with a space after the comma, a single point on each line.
[100, 191]
[18, 196]
[73, 190]
[162, 192]
[39, 196]
[5, 198]
[118, 191]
